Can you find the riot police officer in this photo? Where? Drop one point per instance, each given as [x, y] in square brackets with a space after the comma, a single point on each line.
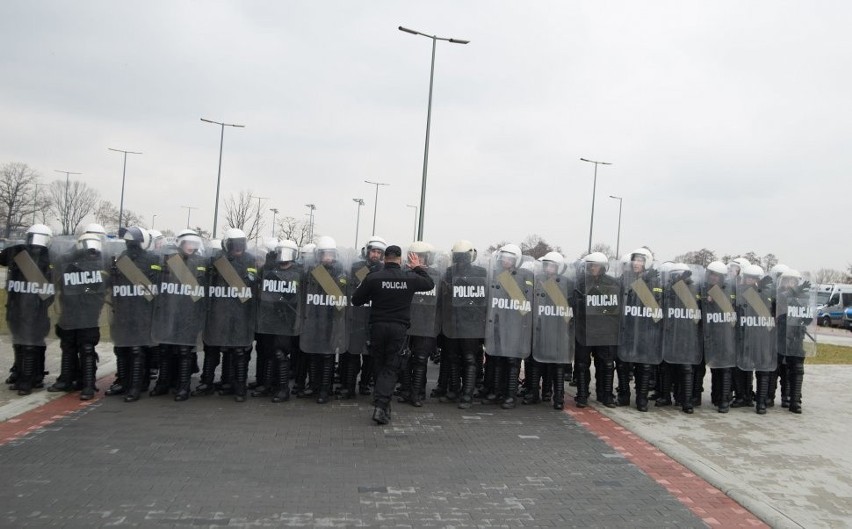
[795, 313]
[29, 294]
[133, 288]
[390, 292]
[718, 300]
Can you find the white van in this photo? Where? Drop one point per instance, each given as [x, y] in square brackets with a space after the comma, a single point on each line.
[830, 311]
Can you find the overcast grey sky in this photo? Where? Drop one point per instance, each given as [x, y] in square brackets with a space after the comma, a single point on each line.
[728, 123]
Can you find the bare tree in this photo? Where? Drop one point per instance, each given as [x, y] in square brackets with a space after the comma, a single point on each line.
[289, 228]
[18, 184]
[71, 203]
[106, 214]
[535, 246]
[769, 260]
[243, 212]
[829, 275]
[701, 257]
[602, 248]
[494, 247]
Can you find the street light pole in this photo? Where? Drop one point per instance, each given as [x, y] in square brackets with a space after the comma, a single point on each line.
[594, 187]
[188, 212]
[435, 39]
[415, 219]
[257, 221]
[360, 202]
[123, 174]
[219, 174]
[153, 218]
[311, 207]
[274, 213]
[618, 239]
[66, 221]
[376, 205]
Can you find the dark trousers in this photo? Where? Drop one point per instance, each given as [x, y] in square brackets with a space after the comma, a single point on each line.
[387, 341]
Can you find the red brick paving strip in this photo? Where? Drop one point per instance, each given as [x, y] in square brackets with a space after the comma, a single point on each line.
[708, 503]
[48, 413]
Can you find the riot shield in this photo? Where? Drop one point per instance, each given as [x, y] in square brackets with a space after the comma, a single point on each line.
[279, 308]
[681, 320]
[642, 318]
[464, 299]
[324, 316]
[230, 300]
[132, 290]
[30, 292]
[796, 322]
[425, 317]
[553, 315]
[81, 285]
[179, 308]
[599, 317]
[757, 327]
[509, 318]
[718, 305]
[359, 317]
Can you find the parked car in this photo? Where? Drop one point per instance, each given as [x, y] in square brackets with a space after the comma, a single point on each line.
[832, 314]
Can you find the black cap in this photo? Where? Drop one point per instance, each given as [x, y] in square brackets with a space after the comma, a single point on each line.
[393, 251]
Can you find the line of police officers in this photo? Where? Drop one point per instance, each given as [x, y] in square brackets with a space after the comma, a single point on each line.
[659, 327]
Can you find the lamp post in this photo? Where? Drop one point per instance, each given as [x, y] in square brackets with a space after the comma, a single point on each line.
[35, 201]
[311, 207]
[360, 202]
[618, 238]
[66, 223]
[123, 175]
[257, 221]
[153, 218]
[376, 205]
[415, 219]
[219, 174]
[435, 39]
[188, 212]
[274, 213]
[594, 187]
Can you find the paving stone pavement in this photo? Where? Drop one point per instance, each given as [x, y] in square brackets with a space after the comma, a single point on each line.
[211, 462]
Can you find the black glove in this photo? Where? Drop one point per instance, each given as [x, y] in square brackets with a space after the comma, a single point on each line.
[765, 282]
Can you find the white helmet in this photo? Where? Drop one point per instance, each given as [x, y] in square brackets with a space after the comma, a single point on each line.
[157, 239]
[308, 250]
[424, 250]
[234, 240]
[597, 258]
[677, 270]
[325, 244]
[791, 273]
[286, 251]
[376, 242]
[777, 270]
[189, 241]
[554, 258]
[464, 247]
[510, 251]
[753, 271]
[742, 262]
[644, 253]
[717, 267]
[97, 229]
[90, 242]
[39, 235]
[271, 244]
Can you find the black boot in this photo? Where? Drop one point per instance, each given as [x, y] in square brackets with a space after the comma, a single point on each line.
[88, 361]
[762, 392]
[282, 374]
[226, 377]
[345, 367]
[208, 374]
[726, 383]
[546, 384]
[241, 360]
[122, 376]
[418, 382]
[533, 379]
[164, 374]
[773, 387]
[15, 371]
[185, 362]
[453, 377]
[607, 376]
[784, 378]
[468, 376]
[443, 377]
[264, 387]
[581, 375]
[664, 391]
[558, 385]
[643, 385]
[27, 366]
[687, 381]
[67, 370]
[326, 374]
[138, 375]
[494, 380]
[623, 369]
[796, 375]
[514, 371]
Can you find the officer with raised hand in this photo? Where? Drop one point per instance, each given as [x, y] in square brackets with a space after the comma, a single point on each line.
[390, 291]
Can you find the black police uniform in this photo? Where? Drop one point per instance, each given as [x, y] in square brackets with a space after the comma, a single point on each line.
[390, 290]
